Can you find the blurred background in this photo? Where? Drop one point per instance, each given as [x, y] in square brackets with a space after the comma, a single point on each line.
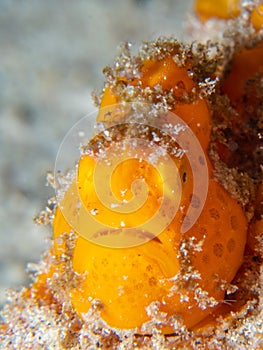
[51, 57]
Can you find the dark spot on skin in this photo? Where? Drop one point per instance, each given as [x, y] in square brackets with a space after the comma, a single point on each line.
[203, 231]
[205, 258]
[152, 281]
[218, 249]
[201, 160]
[231, 245]
[186, 222]
[195, 201]
[234, 222]
[214, 213]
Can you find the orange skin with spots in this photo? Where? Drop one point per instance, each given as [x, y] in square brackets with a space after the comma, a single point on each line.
[130, 279]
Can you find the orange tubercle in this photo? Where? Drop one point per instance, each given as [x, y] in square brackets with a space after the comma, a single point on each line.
[246, 64]
[227, 9]
[167, 74]
[224, 9]
[257, 17]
